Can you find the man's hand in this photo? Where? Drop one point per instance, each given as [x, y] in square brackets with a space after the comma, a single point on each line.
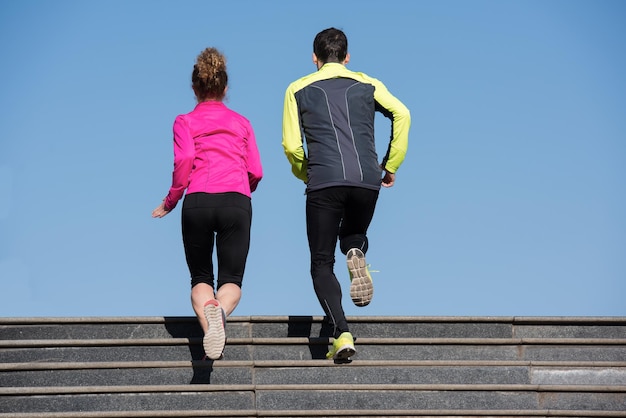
[388, 180]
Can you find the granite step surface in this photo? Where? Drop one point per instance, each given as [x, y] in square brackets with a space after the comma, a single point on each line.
[276, 366]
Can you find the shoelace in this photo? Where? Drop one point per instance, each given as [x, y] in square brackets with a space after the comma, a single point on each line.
[372, 271]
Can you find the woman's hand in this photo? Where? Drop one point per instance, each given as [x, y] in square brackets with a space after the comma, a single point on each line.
[160, 211]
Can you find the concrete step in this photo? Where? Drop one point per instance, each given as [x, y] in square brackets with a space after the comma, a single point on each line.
[299, 348]
[309, 372]
[276, 366]
[313, 399]
[307, 326]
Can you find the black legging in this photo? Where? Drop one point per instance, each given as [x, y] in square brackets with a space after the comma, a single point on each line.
[331, 213]
[222, 219]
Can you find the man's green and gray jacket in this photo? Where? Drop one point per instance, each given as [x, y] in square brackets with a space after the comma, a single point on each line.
[334, 109]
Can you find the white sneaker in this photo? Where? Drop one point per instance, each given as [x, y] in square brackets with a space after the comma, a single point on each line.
[215, 338]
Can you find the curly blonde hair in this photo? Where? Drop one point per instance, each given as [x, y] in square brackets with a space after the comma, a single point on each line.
[209, 78]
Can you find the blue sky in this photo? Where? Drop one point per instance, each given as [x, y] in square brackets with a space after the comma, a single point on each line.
[511, 200]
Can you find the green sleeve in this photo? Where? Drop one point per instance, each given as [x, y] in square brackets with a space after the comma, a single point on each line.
[400, 124]
[292, 137]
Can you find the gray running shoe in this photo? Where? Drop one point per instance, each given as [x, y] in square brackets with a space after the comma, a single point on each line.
[361, 285]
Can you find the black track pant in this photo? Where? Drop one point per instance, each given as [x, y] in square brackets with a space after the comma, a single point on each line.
[331, 213]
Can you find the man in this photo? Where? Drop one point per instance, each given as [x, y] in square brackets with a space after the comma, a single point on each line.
[334, 108]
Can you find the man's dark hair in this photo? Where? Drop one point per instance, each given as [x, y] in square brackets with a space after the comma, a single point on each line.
[330, 45]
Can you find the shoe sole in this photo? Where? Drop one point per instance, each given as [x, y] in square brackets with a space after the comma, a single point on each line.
[344, 353]
[361, 287]
[215, 338]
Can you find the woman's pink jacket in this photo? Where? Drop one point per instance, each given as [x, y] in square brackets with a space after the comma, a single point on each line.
[215, 151]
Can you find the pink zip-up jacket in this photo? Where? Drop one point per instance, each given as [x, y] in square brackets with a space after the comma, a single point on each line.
[215, 151]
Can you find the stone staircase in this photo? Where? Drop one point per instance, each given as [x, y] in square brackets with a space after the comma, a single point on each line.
[276, 367]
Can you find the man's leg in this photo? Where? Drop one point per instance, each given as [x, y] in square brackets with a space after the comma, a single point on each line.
[359, 211]
[324, 210]
[358, 215]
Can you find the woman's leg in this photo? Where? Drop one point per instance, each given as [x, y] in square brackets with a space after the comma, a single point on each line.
[229, 295]
[233, 244]
[200, 294]
[198, 238]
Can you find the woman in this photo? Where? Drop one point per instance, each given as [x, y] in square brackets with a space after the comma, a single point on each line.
[217, 162]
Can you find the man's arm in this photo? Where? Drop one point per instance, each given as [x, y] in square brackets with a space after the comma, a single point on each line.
[292, 137]
[400, 117]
